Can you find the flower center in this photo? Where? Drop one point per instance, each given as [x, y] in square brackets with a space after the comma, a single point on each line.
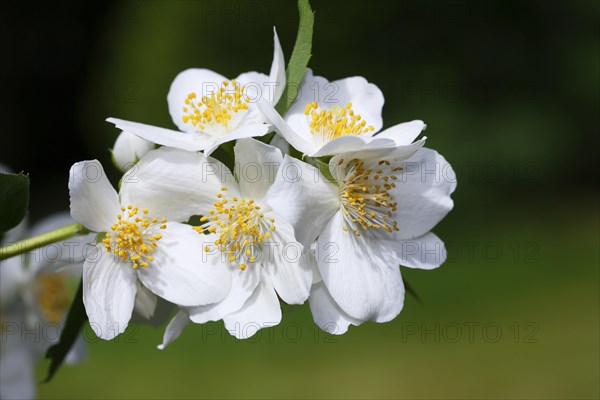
[53, 297]
[335, 122]
[365, 196]
[241, 227]
[218, 111]
[134, 237]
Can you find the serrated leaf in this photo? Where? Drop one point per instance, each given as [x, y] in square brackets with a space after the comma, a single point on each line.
[75, 320]
[300, 57]
[14, 199]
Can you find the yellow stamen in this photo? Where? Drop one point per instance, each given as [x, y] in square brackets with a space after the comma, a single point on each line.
[335, 122]
[240, 226]
[365, 197]
[217, 108]
[131, 238]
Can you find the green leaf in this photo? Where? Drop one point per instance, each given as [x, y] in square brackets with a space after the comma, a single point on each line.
[75, 320]
[409, 289]
[300, 56]
[324, 169]
[14, 199]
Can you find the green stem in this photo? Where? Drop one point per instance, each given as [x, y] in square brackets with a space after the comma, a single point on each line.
[42, 240]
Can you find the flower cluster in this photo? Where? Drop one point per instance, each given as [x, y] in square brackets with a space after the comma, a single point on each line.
[324, 209]
[34, 298]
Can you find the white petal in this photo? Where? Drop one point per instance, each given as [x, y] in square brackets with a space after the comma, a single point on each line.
[261, 310]
[256, 85]
[66, 256]
[17, 373]
[300, 140]
[279, 142]
[312, 88]
[174, 329]
[180, 273]
[198, 80]
[145, 302]
[18, 232]
[94, 202]
[128, 149]
[51, 222]
[372, 156]
[162, 313]
[243, 284]
[286, 263]
[361, 274]
[304, 198]
[366, 98]
[77, 353]
[423, 190]
[312, 257]
[166, 137]
[327, 314]
[277, 73]
[351, 143]
[174, 184]
[109, 290]
[256, 167]
[405, 133]
[247, 131]
[12, 277]
[425, 252]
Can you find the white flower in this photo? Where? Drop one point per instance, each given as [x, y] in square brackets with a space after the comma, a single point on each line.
[376, 216]
[210, 110]
[330, 118]
[128, 150]
[34, 299]
[145, 245]
[241, 235]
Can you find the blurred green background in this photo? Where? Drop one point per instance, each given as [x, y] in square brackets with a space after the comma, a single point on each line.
[510, 93]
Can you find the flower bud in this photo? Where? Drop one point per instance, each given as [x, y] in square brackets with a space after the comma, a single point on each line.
[129, 149]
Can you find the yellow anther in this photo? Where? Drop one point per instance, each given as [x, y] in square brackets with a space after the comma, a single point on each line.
[366, 201]
[334, 122]
[131, 240]
[217, 108]
[238, 223]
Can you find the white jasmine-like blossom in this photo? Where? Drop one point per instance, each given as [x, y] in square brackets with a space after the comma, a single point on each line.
[330, 118]
[240, 234]
[34, 298]
[144, 246]
[128, 150]
[210, 110]
[377, 215]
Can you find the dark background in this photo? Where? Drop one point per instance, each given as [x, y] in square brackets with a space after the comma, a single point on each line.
[510, 93]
